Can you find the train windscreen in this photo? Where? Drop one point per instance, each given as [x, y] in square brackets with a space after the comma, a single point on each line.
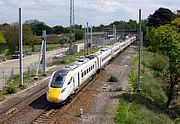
[58, 78]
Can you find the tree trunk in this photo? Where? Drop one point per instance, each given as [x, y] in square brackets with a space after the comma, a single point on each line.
[33, 49]
[170, 94]
[172, 84]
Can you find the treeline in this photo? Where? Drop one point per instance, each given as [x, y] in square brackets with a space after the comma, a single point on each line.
[32, 30]
[131, 24]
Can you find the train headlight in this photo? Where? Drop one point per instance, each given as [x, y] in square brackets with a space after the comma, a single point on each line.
[63, 90]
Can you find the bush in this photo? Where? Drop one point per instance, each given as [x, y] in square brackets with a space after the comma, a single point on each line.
[112, 79]
[64, 40]
[10, 90]
[156, 62]
[79, 34]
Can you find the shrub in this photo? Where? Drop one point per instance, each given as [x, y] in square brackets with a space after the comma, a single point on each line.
[10, 90]
[156, 62]
[64, 40]
[112, 79]
[79, 34]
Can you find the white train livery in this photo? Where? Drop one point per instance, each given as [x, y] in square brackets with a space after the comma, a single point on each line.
[64, 82]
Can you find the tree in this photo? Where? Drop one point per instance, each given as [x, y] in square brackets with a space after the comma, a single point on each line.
[60, 30]
[11, 36]
[131, 24]
[167, 41]
[2, 39]
[176, 24]
[38, 26]
[162, 16]
[79, 34]
[78, 26]
[29, 38]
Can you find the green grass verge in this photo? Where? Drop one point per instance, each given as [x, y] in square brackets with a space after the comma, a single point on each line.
[13, 84]
[148, 107]
[37, 48]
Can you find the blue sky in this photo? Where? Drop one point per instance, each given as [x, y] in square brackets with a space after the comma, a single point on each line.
[96, 12]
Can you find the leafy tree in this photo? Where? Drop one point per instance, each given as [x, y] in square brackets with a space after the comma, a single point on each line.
[2, 42]
[29, 38]
[176, 24]
[2, 39]
[79, 34]
[38, 26]
[167, 41]
[131, 24]
[11, 36]
[162, 16]
[60, 30]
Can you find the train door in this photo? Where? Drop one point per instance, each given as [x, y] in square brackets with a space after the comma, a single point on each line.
[70, 86]
[100, 60]
[74, 83]
[79, 80]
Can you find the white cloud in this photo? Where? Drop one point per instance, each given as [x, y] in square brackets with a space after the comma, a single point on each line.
[54, 12]
[99, 5]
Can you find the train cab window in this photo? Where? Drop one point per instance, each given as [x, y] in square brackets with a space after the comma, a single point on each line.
[82, 74]
[57, 82]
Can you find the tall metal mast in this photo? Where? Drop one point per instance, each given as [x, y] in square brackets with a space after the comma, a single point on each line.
[139, 54]
[73, 16]
[72, 27]
[20, 48]
[72, 19]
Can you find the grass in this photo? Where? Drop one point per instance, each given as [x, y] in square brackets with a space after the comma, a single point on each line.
[37, 48]
[13, 84]
[147, 107]
[136, 113]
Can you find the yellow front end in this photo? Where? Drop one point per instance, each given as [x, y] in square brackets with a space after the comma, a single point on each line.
[54, 94]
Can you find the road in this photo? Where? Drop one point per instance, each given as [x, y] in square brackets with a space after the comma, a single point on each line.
[29, 61]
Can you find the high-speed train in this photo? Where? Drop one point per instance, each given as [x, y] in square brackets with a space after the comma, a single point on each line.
[64, 82]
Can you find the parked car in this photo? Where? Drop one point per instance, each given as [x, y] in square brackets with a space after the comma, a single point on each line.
[16, 55]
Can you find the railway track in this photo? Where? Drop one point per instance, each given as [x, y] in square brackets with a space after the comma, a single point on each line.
[49, 114]
[21, 104]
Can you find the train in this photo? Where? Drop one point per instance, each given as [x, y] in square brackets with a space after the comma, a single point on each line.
[65, 82]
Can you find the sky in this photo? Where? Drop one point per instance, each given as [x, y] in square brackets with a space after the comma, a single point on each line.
[96, 12]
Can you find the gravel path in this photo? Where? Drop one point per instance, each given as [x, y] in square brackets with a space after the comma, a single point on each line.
[100, 100]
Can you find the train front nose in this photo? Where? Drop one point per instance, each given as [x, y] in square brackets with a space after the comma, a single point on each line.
[54, 95]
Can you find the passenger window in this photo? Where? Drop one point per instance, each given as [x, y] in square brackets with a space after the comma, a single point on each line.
[81, 74]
